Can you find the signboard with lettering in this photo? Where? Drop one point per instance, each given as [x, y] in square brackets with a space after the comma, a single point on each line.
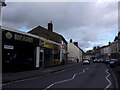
[13, 36]
[46, 44]
[8, 47]
[23, 38]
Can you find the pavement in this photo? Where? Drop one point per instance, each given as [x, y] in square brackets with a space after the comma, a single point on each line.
[11, 77]
[117, 74]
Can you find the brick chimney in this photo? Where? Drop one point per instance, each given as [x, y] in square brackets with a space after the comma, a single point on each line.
[50, 26]
[70, 40]
[76, 44]
[119, 34]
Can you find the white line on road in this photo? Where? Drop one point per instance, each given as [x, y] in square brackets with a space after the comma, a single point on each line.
[30, 78]
[108, 80]
[65, 80]
[6, 84]
[83, 71]
[61, 82]
[64, 70]
[21, 80]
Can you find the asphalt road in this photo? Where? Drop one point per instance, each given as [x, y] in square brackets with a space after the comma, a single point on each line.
[95, 75]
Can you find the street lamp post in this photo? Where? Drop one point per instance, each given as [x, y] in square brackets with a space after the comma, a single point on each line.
[2, 4]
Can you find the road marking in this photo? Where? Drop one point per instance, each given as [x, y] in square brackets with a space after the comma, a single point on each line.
[108, 80]
[66, 69]
[83, 71]
[61, 82]
[65, 80]
[29, 78]
[21, 80]
[6, 84]
[40, 77]
[63, 70]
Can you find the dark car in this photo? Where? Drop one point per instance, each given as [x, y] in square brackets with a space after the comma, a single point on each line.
[107, 60]
[114, 62]
[101, 60]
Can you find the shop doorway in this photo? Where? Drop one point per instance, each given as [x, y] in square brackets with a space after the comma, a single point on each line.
[8, 59]
[48, 57]
[41, 61]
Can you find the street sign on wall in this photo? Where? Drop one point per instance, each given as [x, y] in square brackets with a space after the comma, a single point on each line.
[8, 47]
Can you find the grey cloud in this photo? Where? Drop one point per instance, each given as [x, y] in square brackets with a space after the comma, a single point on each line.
[84, 22]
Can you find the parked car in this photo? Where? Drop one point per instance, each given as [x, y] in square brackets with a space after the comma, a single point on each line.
[114, 62]
[96, 60]
[107, 60]
[86, 61]
[101, 60]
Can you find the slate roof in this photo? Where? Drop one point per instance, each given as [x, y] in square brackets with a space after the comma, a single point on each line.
[45, 33]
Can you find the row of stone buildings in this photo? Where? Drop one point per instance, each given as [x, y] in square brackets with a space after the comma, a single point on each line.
[112, 50]
[40, 47]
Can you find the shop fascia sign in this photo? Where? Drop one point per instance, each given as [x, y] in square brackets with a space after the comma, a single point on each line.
[63, 47]
[46, 44]
[18, 37]
[23, 38]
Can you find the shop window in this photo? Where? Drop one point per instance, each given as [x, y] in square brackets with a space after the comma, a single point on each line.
[56, 54]
[48, 57]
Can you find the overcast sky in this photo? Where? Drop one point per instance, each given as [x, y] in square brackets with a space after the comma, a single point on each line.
[88, 23]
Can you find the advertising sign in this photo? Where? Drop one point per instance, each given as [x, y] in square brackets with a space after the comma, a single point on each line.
[17, 37]
[46, 44]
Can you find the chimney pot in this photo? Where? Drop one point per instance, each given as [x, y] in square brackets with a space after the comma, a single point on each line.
[70, 40]
[50, 26]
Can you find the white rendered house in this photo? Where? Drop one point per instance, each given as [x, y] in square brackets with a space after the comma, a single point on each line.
[74, 52]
